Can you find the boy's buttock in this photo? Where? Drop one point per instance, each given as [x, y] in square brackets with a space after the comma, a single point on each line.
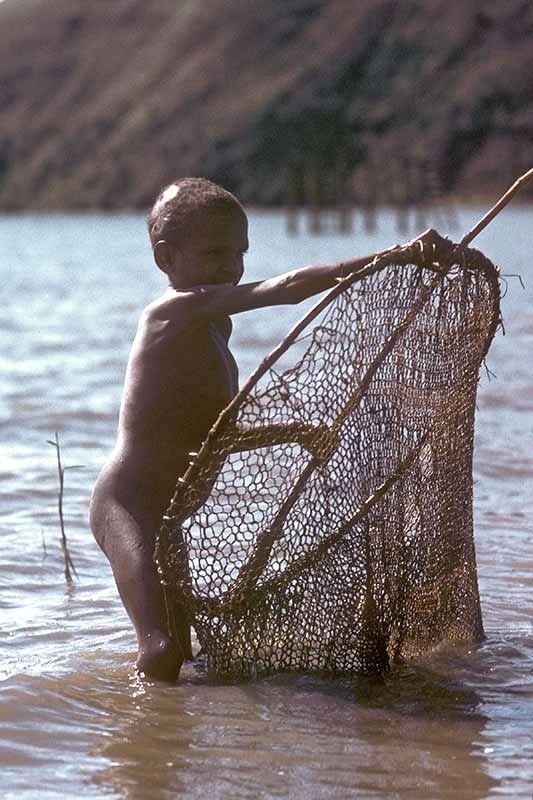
[126, 495]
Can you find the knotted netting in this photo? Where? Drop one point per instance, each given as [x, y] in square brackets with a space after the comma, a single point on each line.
[326, 524]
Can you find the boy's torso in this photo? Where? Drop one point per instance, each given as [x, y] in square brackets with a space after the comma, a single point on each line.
[175, 388]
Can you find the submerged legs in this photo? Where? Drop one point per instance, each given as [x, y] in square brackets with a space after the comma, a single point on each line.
[128, 540]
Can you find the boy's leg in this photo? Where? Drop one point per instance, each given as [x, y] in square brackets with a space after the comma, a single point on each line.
[128, 542]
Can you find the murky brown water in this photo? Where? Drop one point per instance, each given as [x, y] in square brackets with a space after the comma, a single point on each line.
[74, 719]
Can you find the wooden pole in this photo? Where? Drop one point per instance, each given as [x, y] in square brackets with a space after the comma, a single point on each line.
[522, 181]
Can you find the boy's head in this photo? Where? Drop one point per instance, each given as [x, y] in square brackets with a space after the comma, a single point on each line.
[199, 233]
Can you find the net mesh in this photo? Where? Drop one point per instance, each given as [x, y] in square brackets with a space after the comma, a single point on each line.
[326, 524]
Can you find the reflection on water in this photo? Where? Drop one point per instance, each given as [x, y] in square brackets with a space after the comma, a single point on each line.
[283, 735]
[420, 733]
[74, 721]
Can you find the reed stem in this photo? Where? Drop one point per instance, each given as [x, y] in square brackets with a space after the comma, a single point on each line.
[69, 564]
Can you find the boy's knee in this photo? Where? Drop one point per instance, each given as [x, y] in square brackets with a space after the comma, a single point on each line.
[160, 658]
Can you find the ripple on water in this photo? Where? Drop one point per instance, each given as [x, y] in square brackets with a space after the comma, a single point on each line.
[75, 721]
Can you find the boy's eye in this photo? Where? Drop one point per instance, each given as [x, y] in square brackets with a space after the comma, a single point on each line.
[221, 253]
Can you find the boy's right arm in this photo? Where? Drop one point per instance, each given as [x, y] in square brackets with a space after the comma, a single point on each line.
[218, 300]
[190, 306]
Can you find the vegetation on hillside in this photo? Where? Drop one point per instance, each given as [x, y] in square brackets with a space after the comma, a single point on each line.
[103, 102]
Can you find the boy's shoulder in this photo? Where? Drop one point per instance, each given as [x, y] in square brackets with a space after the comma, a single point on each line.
[171, 310]
[177, 313]
[187, 308]
[168, 306]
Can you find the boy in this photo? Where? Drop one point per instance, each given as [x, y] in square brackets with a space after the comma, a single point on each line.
[180, 375]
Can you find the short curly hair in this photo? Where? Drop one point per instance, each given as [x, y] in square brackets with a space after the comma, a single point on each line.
[179, 201]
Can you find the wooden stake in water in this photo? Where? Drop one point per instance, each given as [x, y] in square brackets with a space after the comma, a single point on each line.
[69, 564]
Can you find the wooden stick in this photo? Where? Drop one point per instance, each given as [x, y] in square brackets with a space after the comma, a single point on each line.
[522, 181]
[69, 564]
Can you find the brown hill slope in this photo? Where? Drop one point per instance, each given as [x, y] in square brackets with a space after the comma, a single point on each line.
[102, 102]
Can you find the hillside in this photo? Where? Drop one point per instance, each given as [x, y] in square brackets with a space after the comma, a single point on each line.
[103, 101]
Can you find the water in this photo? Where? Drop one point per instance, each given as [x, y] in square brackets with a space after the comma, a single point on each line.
[74, 719]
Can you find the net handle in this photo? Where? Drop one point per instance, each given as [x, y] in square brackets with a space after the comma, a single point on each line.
[522, 181]
[344, 284]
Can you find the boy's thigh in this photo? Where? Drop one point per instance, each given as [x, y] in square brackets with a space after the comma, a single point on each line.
[119, 529]
[128, 542]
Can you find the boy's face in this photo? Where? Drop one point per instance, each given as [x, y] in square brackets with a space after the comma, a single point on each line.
[213, 251]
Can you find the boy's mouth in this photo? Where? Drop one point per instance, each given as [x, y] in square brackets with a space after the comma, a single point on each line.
[226, 277]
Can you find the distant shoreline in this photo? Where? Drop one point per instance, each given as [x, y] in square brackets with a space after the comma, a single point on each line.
[481, 200]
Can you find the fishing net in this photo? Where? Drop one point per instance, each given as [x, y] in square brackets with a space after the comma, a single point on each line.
[326, 524]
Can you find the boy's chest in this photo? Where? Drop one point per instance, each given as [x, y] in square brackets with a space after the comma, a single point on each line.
[222, 359]
[179, 387]
[202, 371]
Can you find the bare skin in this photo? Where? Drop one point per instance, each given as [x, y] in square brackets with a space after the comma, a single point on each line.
[180, 375]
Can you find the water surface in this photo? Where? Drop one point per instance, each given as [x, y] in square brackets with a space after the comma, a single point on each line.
[74, 719]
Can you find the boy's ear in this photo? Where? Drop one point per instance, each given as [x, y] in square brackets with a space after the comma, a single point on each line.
[163, 255]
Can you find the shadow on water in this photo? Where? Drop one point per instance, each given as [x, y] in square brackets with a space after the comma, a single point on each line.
[417, 733]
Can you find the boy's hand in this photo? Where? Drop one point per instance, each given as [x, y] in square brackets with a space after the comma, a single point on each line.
[433, 247]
